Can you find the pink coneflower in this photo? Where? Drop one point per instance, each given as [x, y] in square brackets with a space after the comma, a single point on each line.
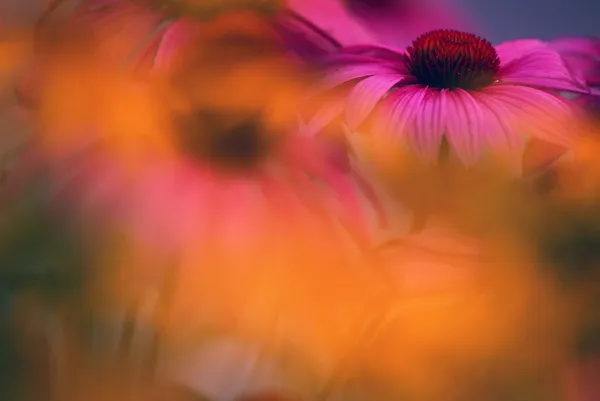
[456, 85]
[241, 212]
[151, 40]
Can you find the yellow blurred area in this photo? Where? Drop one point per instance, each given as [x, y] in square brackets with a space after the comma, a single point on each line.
[579, 179]
[293, 290]
[461, 309]
[424, 319]
[85, 95]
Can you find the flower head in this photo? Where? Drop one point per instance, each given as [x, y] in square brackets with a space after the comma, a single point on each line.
[447, 59]
[455, 85]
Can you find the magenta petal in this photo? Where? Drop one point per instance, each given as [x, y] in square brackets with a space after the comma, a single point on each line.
[464, 123]
[383, 52]
[172, 39]
[582, 55]
[366, 94]
[542, 68]
[537, 113]
[344, 74]
[333, 18]
[515, 49]
[384, 17]
[304, 38]
[583, 45]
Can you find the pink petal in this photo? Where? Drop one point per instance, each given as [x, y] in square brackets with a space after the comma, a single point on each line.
[584, 68]
[325, 115]
[172, 39]
[589, 46]
[366, 94]
[384, 18]
[383, 52]
[333, 18]
[304, 38]
[515, 49]
[425, 132]
[497, 124]
[542, 68]
[398, 110]
[537, 113]
[464, 123]
[582, 55]
[348, 73]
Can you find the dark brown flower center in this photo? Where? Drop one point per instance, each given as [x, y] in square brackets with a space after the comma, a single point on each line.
[449, 59]
[227, 142]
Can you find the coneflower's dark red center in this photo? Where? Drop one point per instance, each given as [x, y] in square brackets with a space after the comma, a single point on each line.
[449, 59]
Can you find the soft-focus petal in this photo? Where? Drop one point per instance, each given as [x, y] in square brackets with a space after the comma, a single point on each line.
[348, 73]
[540, 154]
[464, 125]
[172, 39]
[383, 18]
[541, 68]
[333, 18]
[537, 113]
[515, 49]
[582, 55]
[304, 38]
[366, 94]
[325, 115]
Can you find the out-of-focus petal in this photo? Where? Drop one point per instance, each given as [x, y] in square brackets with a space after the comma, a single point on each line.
[543, 68]
[537, 113]
[333, 18]
[366, 94]
[304, 38]
[348, 73]
[398, 22]
[172, 40]
[582, 55]
[515, 49]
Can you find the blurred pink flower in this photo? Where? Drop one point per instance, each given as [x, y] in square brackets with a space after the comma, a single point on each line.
[387, 22]
[457, 85]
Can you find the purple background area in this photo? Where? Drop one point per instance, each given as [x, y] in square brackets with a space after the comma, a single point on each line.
[545, 19]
